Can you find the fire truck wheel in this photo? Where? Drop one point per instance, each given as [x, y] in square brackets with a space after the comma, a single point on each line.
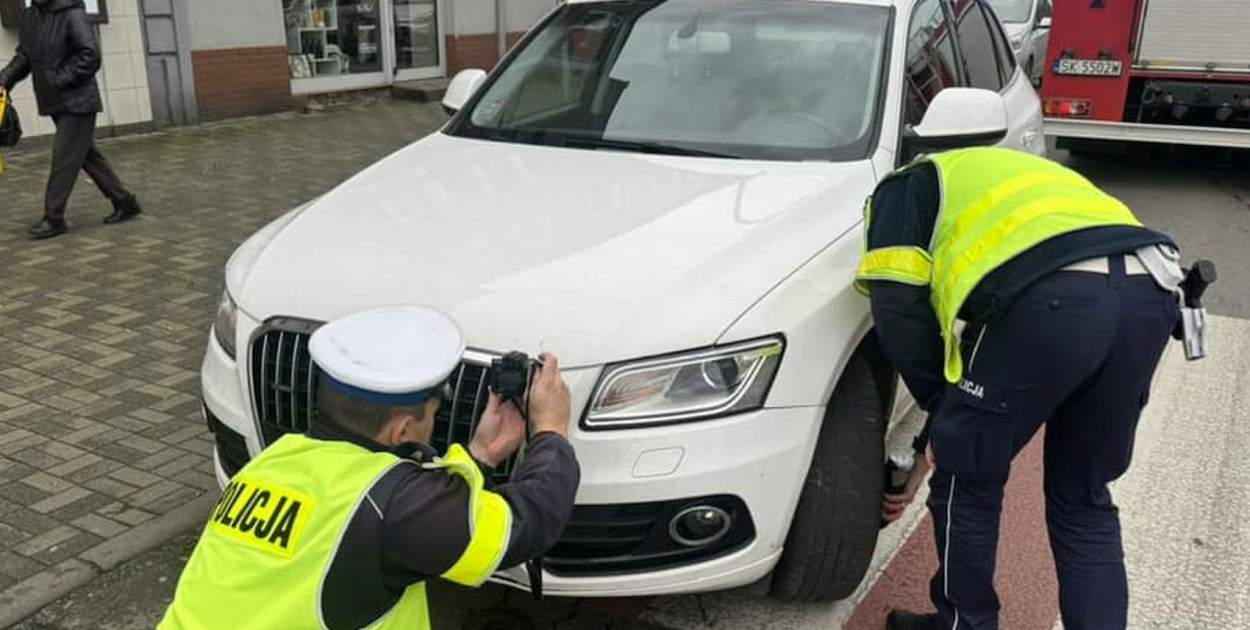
[834, 532]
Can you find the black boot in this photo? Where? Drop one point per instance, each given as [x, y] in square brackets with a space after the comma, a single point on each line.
[47, 228]
[902, 620]
[124, 210]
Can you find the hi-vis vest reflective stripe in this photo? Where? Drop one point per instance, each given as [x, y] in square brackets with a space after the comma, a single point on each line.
[272, 537]
[996, 204]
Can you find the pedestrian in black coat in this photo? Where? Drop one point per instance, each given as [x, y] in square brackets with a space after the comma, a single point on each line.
[57, 46]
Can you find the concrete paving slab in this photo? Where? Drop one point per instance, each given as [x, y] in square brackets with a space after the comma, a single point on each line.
[1185, 504]
[103, 452]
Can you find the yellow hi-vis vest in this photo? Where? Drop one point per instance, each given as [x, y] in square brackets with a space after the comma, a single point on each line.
[270, 541]
[995, 205]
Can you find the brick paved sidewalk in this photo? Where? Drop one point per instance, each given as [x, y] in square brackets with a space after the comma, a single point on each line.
[103, 452]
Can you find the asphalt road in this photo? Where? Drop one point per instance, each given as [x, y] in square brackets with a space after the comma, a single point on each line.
[1201, 197]
[1187, 548]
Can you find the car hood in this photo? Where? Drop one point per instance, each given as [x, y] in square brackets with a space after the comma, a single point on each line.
[597, 256]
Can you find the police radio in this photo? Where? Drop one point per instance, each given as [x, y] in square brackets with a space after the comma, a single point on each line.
[1191, 330]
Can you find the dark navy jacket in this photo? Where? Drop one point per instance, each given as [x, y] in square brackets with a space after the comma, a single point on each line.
[904, 213]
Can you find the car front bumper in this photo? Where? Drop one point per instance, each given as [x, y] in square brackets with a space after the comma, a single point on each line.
[760, 458]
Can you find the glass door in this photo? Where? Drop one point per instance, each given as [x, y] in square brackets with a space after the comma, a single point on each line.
[418, 43]
[334, 44]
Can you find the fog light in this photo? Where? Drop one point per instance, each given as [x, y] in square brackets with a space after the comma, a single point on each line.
[699, 525]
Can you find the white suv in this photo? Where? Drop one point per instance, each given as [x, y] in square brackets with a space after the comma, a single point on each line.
[668, 194]
[1027, 23]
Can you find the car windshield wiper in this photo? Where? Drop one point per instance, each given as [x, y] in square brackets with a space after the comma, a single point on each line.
[639, 146]
[558, 139]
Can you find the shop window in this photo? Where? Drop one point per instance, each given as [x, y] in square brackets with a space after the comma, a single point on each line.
[416, 34]
[329, 38]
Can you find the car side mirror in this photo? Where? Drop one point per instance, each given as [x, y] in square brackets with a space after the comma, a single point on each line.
[957, 118]
[461, 89]
[1043, 22]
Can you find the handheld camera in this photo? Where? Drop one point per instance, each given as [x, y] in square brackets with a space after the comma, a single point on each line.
[509, 375]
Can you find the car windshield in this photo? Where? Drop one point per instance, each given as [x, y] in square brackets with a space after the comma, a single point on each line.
[1013, 11]
[761, 79]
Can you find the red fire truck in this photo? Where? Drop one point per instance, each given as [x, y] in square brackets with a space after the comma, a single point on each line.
[1166, 71]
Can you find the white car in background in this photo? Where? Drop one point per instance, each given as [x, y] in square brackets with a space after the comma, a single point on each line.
[669, 195]
[1028, 27]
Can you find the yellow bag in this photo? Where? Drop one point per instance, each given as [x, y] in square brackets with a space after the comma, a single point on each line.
[4, 107]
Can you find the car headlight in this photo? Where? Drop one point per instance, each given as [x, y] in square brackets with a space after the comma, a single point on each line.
[226, 323]
[685, 387]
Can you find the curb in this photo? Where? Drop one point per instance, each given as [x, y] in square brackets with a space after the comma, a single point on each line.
[29, 596]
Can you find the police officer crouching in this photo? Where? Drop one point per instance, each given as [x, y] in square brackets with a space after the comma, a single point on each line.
[341, 528]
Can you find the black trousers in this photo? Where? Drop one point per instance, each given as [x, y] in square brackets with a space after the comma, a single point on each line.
[1075, 352]
[73, 151]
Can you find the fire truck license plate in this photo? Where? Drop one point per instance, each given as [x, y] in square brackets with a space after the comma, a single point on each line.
[1089, 67]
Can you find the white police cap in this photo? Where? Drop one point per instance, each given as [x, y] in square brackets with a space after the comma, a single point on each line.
[396, 355]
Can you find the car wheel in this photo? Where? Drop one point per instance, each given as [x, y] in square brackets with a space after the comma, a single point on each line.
[834, 531]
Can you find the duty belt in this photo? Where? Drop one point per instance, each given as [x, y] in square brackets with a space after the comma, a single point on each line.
[1162, 263]
[1133, 266]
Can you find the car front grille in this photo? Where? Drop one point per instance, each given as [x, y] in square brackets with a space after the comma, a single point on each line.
[284, 390]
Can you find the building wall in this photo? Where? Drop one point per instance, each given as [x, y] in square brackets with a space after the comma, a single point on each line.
[522, 14]
[229, 24]
[239, 60]
[238, 56]
[471, 33]
[123, 76]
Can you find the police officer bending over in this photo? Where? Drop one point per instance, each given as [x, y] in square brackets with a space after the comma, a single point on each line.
[1068, 303]
[342, 527]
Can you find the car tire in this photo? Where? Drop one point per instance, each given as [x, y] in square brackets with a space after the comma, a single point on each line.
[834, 531]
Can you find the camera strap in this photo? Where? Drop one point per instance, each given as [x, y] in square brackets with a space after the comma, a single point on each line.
[535, 570]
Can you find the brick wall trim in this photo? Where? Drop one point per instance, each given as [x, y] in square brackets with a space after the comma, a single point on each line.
[241, 81]
[248, 81]
[475, 51]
